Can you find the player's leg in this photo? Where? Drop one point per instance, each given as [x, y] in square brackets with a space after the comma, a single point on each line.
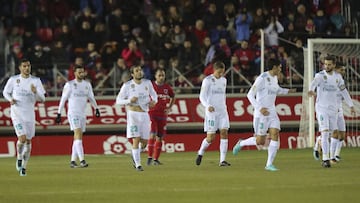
[223, 125]
[341, 135]
[258, 125]
[210, 129]
[273, 129]
[316, 151]
[152, 138]
[333, 144]
[159, 139]
[324, 128]
[20, 144]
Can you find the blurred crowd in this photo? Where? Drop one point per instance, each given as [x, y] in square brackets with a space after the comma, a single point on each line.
[184, 37]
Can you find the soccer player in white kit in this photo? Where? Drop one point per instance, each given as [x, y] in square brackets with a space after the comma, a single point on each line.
[77, 91]
[22, 91]
[213, 98]
[262, 96]
[338, 135]
[328, 84]
[138, 95]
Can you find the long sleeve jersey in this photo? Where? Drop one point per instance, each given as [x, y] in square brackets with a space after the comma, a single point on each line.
[144, 92]
[213, 93]
[328, 86]
[19, 89]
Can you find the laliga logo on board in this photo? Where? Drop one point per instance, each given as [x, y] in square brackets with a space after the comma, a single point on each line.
[117, 145]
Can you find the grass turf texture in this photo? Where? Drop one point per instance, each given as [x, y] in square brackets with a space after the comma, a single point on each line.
[113, 179]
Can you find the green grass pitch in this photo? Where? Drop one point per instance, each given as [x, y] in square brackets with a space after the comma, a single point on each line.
[113, 179]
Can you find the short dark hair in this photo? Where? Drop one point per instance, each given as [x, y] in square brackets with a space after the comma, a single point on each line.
[78, 67]
[219, 65]
[330, 58]
[133, 67]
[273, 62]
[23, 60]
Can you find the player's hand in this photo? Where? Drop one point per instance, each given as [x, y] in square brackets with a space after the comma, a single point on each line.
[293, 90]
[133, 100]
[311, 93]
[211, 109]
[264, 111]
[97, 113]
[33, 88]
[152, 104]
[352, 110]
[13, 101]
[58, 118]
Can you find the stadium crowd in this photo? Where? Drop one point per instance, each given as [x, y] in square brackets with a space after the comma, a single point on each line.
[186, 35]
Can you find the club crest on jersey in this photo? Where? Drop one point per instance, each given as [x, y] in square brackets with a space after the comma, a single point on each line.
[146, 88]
[166, 91]
[325, 78]
[132, 86]
[18, 81]
[268, 79]
[212, 80]
[75, 85]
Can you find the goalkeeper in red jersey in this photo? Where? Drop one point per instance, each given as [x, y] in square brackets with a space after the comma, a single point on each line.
[158, 116]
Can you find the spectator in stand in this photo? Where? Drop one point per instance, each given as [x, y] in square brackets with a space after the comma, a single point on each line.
[59, 12]
[177, 36]
[272, 32]
[158, 39]
[121, 73]
[189, 57]
[156, 20]
[259, 20]
[115, 18]
[15, 36]
[123, 38]
[199, 31]
[297, 56]
[60, 56]
[15, 57]
[41, 60]
[173, 16]
[90, 54]
[246, 58]
[100, 34]
[321, 22]
[211, 18]
[300, 18]
[65, 36]
[229, 19]
[207, 51]
[223, 51]
[132, 55]
[96, 7]
[108, 55]
[166, 51]
[243, 22]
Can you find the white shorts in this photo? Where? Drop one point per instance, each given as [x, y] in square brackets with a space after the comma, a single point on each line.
[138, 125]
[262, 124]
[77, 122]
[341, 126]
[24, 128]
[326, 120]
[214, 121]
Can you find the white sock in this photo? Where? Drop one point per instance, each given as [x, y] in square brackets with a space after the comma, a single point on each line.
[248, 142]
[317, 141]
[26, 154]
[136, 157]
[19, 149]
[74, 154]
[272, 150]
[338, 147]
[79, 149]
[223, 149]
[333, 144]
[325, 145]
[203, 147]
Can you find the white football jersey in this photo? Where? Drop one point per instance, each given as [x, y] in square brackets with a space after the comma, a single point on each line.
[263, 92]
[19, 89]
[77, 93]
[328, 86]
[213, 92]
[144, 92]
